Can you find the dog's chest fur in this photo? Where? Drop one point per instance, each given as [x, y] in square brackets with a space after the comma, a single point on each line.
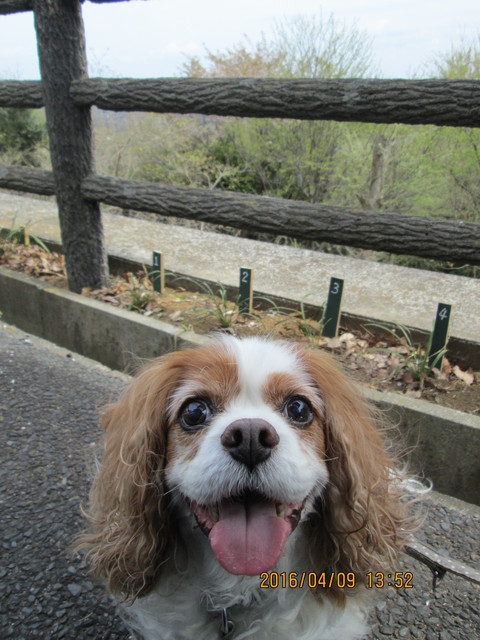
[189, 602]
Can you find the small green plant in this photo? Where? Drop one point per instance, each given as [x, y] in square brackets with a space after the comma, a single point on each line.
[22, 234]
[273, 308]
[140, 293]
[226, 312]
[221, 310]
[313, 332]
[417, 359]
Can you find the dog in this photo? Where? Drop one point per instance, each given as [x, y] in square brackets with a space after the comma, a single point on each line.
[244, 492]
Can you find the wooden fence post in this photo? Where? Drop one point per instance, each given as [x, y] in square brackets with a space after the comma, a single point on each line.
[61, 52]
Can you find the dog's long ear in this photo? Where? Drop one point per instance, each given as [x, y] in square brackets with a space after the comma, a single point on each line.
[128, 506]
[360, 521]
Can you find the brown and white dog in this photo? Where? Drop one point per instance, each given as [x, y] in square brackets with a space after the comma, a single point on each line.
[246, 475]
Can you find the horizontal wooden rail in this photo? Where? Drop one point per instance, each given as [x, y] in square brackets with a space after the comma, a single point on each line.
[27, 180]
[439, 102]
[17, 6]
[391, 232]
[25, 94]
[381, 231]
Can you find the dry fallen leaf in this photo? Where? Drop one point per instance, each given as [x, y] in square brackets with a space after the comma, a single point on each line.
[408, 377]
[347, 337]
[466, 376]
[175, 316]
[439, 375]
[333, 343]
[414, 394]
[446, 367]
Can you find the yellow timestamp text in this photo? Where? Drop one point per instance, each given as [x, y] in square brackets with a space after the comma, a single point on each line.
[399, 580]
[298, 580]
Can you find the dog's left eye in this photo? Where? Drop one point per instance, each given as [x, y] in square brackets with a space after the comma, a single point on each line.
[299, 411]
[194, 414]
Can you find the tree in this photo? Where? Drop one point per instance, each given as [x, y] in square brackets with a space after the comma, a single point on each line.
[288, 158]
[303, 47]
[20, 134]
[458, 152]
[462, 61]
[421, 170]
[318, 47]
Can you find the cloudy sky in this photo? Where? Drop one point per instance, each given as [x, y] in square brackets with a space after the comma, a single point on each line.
[152, 38]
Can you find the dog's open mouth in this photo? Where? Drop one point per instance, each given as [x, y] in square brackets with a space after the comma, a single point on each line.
[247, 533]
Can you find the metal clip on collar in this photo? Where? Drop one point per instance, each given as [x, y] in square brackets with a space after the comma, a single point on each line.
[228, 626]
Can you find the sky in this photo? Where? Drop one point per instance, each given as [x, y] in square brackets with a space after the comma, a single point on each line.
[152, 38]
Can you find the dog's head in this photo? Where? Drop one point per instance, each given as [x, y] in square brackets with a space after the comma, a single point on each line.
[249, 437]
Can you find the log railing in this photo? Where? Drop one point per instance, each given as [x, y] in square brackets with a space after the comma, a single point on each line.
[378, 231]
[454, 103]
[438, 102]
[18, 6]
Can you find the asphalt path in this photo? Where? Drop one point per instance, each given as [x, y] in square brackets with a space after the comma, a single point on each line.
[49, 401]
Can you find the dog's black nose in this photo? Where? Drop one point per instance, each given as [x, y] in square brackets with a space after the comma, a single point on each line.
[250, 440]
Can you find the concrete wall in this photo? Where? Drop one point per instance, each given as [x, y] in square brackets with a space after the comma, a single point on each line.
[443, 444]
[91, 328]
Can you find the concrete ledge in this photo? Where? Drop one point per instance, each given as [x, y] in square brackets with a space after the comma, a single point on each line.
[445, 442]
[117, 338]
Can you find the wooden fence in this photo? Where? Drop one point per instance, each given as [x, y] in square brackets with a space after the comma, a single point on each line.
[68, 95]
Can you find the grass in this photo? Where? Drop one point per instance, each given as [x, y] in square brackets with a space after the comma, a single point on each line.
[314, 332]
[139, 291]
[224, 311]
[22, 234]
[418, 360]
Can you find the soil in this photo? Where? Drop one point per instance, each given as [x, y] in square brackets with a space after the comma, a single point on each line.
[376, 357]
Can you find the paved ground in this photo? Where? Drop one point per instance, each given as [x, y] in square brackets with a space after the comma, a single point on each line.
[48, 427]
[379, 291]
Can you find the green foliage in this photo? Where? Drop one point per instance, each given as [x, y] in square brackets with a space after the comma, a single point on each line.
[162, 148]
[219, 307]
[312, 330]
[223, 310]
[226, 151]
[461, 62]
[140, 292]
[21, 131]
[290, 159]
[409, 181]
[22, 234]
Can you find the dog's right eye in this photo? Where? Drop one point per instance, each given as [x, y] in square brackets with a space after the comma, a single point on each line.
[299, 411]
[194, 414]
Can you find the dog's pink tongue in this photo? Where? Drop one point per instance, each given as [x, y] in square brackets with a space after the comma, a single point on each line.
[249, 537]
